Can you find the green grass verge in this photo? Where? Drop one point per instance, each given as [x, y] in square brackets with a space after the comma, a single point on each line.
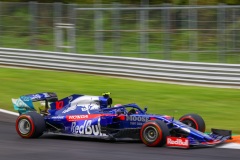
[220, 108]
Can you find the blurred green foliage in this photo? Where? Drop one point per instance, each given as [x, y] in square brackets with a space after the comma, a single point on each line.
[177, 2]
[37, 31]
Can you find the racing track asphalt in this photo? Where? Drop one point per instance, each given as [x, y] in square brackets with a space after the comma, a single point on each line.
[51, 147]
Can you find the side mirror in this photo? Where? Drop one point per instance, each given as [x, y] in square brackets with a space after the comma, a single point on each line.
[145, 109]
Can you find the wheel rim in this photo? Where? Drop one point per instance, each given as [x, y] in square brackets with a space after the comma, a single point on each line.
[189, 123]
[24, 126]
[150, 133]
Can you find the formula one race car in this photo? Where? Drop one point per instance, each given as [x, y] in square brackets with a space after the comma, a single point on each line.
[95, 117]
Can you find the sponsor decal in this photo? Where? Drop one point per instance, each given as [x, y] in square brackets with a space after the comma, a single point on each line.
[87, 128]
[137, 118]
[23, 102]
[59, 105]
[90, 107]
[36, 96]
[70, 109]
[136, 123]
[20, 103]
[46, 95]
[177, 142]
[70, 99]
[86, 103]
[57, 117]
[71, 118]
[83, 107]
[25, 98]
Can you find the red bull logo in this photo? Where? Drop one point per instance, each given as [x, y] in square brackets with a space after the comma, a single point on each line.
[87, 128]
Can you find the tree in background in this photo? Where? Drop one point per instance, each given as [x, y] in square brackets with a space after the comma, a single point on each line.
[151, 2]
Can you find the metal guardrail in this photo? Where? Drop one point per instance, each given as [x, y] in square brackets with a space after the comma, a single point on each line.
[148, 69]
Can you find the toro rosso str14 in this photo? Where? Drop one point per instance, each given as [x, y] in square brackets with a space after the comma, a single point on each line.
[95, 117]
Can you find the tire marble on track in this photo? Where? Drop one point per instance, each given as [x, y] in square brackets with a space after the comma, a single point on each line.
[50, 147]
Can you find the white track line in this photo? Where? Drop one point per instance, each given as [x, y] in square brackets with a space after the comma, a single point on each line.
[230, 146]
[9, 112]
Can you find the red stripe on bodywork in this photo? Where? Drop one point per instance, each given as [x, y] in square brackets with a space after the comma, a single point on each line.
[72, 118]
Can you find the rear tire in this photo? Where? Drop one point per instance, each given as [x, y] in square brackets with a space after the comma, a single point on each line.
[194, 120]
[154, 133]
[30, 125]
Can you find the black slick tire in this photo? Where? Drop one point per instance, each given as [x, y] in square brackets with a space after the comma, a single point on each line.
[194, 120]
[30, 125]
[154, 133]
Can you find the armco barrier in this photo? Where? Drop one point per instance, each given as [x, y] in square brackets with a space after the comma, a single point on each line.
[150, 69]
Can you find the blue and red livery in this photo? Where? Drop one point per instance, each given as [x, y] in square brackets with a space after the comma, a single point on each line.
[95, 117]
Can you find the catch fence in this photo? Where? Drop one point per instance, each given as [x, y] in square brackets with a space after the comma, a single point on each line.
[183, 33]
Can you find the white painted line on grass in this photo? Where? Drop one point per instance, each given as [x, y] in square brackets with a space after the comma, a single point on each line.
[9, 112]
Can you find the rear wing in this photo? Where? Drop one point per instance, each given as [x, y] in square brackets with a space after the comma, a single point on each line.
[49, 96]
[25, 103]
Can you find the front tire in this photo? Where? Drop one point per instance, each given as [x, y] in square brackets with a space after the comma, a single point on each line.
[194, 120]
[154, 133]
[30, 125]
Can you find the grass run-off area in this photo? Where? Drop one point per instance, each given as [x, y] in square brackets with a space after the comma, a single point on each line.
[219, 107]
